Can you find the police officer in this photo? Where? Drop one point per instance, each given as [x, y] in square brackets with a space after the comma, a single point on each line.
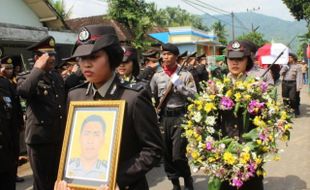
[176, 163]
[291, 83]
[151, 64]
[43, 89]
[8, 136]
[7, 65]
[99, 53]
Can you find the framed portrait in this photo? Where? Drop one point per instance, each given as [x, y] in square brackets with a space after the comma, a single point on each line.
[91, 144]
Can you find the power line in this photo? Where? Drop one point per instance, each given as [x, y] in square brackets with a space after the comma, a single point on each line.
[194, 5]
[215, 8]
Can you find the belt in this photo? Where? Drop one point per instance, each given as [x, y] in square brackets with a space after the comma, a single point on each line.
[289, 81]
[173, 112]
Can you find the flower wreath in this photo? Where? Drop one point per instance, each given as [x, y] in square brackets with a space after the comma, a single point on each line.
[235, 159]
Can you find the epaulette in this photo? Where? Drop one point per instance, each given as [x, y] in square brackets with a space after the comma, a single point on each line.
[23, 73]
[133, 86]
[84, 84]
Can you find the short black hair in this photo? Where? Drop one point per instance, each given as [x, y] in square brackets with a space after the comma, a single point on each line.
[94, 118]
[115, 54]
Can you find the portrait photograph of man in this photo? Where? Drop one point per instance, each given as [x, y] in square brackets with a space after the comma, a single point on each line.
[85, 157]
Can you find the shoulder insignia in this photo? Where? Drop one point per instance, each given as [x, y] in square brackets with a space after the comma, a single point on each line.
[23, 73]
[83, 85]
[133, 86]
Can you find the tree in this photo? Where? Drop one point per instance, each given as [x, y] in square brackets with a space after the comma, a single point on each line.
[136, 15]
[59, 6]
[219, 30]
[175, 16]
[255, 37]
[300, 9]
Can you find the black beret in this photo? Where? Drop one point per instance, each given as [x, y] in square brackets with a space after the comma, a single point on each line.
[171, 48]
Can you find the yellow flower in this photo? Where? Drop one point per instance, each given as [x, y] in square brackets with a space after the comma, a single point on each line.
[212, 97]
[287, 126]
[247, 97]
[211, 159]
[265, 148]
[209, 107]
[259, 142]
[226, 80]
[261, 173]
[276, 158]
[190, 107]
[189, 123]
[258, 161]
[284, 138]
[229, 158]
[244, 157]
[259, 122]
[237, 96]
[283, 115]
[195, 155]
[228, 93]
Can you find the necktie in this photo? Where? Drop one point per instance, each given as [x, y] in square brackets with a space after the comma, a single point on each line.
[97, 96]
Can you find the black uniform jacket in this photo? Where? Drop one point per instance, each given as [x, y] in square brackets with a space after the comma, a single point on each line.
[46, 103]
[141, 143]
[8, 131]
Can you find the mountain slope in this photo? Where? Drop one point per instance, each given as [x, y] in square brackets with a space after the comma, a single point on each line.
[273, 28]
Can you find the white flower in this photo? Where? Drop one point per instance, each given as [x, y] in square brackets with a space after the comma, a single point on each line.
[197, 117]
[210, 120]
[210, 130]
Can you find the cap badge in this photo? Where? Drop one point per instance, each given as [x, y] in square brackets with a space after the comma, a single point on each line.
[52, 42]
[9, 60]
[84, 35]
[235, 45]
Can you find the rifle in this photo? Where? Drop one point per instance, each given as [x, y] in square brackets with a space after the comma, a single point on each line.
[23, 62]
[170, 86]
[282, 52]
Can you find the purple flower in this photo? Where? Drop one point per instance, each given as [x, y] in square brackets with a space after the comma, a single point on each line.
[262, 137]
[226, 103]
[255, 106]
[237, 182]
[209, 146]
[264, 87]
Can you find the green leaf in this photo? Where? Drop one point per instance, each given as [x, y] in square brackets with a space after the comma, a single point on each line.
[214, 183]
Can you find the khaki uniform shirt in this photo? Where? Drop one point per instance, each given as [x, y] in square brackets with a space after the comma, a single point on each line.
[292, 72]
[180, 93]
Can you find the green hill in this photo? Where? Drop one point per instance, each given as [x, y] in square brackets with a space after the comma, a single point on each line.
[272, 28]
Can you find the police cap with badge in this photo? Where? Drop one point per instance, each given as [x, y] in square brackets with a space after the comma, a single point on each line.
[93, 38]
[238, 49]
[131, 54]
[46, 45]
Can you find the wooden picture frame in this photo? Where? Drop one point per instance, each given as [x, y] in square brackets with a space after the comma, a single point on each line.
[91, 144]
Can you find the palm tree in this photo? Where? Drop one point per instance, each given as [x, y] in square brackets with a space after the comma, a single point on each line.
[59, 6]
[219, 30]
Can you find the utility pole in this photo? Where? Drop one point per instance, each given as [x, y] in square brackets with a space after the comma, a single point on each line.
[233, 25]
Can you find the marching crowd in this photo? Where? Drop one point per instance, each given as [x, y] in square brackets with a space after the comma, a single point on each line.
[156, 94]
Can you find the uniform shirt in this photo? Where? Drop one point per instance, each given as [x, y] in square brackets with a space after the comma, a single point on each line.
[292, 72]
[98, 171]
[46, 103]
[104, 88]
[180, 93]
[257, 72]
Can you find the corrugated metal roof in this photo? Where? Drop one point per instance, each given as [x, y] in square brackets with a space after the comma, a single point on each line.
[46, 13]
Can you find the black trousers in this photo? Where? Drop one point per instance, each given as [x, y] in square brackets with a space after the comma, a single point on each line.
[175, 161]
[289, 94]
[7, 181]
[44, 160]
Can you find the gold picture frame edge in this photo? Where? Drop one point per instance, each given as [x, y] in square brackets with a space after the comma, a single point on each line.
[118, 134]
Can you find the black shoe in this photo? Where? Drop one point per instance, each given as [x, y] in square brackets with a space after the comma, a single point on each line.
[176, 184]
[19, 179]
[188, 183]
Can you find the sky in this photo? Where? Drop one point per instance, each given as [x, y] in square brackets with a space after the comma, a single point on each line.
[275, 8]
